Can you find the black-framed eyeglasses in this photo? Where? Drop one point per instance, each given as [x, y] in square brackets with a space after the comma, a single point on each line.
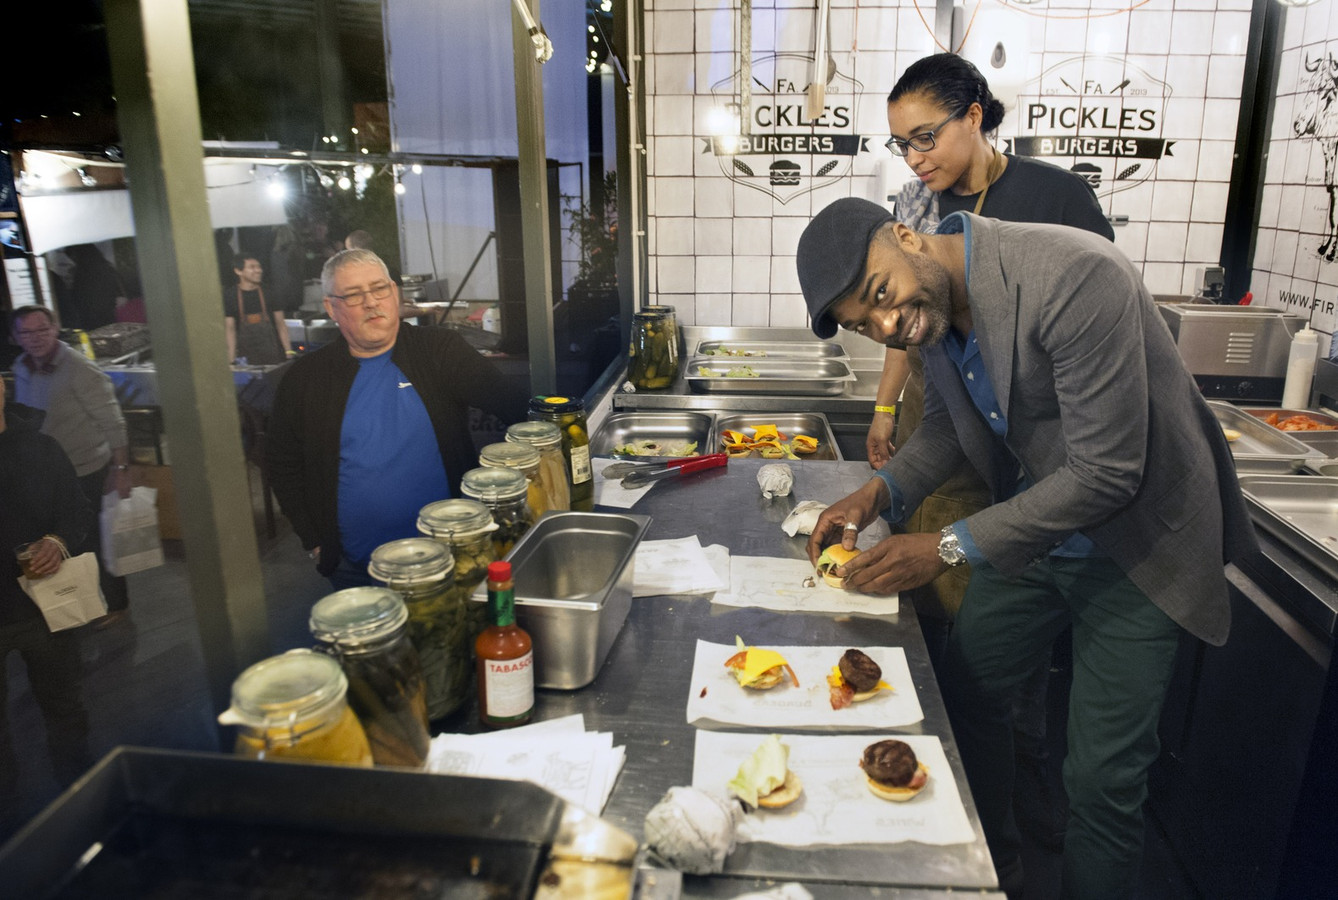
[34, 332]
[377, 292]
[922, 142]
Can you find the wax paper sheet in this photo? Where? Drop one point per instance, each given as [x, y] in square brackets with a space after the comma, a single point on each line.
[774, 583]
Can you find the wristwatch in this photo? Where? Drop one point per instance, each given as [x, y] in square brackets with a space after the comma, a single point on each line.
[949, 548]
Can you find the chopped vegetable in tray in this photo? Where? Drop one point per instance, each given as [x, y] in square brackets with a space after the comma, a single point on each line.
[733, 351]
[657, 448]
[731, 372]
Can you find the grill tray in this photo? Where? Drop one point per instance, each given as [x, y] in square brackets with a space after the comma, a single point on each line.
[1262, 449]
[1300, 509]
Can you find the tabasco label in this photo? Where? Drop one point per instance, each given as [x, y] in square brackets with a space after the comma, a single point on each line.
[508, 687]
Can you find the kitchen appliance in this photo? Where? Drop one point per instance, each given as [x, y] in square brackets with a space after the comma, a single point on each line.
[1234, 352]
[573, 574]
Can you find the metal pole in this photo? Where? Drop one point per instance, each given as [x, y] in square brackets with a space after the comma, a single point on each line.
[534, 205]
[153, 72]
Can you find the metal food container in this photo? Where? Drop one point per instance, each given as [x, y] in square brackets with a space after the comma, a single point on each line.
[573, 575]
[1302, 510]
[162, 823]
[1262, 449]
[721, 350]
[819, 376]
[668, 428]
[789, 424]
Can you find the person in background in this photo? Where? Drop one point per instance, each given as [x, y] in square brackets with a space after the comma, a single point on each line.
[95, 286]
[41, 503]
[1035, 339]
[84, 417]
[254, 332]
[941, 114]
[373, 426]
[363, 240]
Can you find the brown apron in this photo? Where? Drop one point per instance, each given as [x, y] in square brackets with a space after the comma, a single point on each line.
[257, 340]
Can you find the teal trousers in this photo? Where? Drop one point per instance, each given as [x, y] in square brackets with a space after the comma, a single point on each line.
[1123, 653]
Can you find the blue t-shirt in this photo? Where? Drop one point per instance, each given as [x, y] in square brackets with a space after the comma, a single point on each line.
[389, 464]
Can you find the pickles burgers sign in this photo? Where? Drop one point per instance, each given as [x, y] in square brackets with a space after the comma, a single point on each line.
[784, 154]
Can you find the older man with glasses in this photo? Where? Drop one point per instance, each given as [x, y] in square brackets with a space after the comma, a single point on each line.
[368, 429]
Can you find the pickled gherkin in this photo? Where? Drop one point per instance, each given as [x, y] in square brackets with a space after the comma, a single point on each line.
[505, 493]
[466, 527]
[569, 416]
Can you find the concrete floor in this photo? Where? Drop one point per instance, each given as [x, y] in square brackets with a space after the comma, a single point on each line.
[145, 685]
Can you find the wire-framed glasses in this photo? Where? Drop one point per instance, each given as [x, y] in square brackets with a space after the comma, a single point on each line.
[377, 292]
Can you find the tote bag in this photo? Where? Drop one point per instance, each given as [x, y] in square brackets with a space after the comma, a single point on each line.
[130, 538]
[72, 596]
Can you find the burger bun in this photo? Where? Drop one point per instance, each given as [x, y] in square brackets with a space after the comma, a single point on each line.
[832, 565]
[784, 795]
[898, 794]
[767, 680]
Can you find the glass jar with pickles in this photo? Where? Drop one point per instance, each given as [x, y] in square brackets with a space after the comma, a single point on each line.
[547, 439]
[365, 627]
[652, 358]
[466, 527]
[569, 416]
[505, 493]
[294, 706]
[422, 571]
[525, 459]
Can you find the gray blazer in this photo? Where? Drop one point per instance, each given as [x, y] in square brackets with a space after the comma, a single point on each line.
[1103, 417]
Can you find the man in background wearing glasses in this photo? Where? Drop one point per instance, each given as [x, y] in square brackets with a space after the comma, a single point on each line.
[373, 426]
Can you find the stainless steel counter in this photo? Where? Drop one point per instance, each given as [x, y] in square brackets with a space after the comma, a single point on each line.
[640, 695]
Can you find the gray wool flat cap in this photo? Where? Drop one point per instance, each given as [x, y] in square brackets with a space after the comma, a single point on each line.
[831, 255]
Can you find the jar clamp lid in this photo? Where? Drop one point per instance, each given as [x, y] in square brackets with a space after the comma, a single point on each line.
[492, 485]
[286, 689]
[455, 518]
[509, 454]
[358, 615]
[411, 560]
[538, 434]
[556, 405]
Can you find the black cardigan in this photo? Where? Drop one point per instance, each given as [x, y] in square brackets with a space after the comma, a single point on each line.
[302, 450]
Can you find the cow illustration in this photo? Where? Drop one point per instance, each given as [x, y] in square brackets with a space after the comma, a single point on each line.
[1319, 119]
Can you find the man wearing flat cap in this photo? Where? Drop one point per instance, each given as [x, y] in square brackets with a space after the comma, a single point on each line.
[1114, 496]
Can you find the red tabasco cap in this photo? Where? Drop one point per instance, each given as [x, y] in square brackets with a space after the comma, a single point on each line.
[499, 571]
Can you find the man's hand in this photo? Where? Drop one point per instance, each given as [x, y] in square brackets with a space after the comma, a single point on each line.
[117, 480]
[843, 519]
[897, 563]
[878, 443]
[46, 558]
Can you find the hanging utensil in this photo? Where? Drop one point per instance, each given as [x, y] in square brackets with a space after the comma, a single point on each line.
[618, 470]
[697, 464]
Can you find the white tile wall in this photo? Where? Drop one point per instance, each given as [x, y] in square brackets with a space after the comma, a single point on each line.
[744, 239]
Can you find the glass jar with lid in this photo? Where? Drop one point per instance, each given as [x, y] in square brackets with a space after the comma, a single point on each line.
[422, 571]
[524, 458]
[365, 628]
[569, 416]
[504, 492]
[294, 706]
[652, 358]
[466, 527]
[547, 439]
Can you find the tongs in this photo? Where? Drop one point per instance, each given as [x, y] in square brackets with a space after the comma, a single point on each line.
[644, 477]
[620, 469]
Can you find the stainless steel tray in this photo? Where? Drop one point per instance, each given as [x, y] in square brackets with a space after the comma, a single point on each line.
[1323, 418]
[770, 349]
[789, 424]
[1300, 509]
[619, 429]
[819, 376]
[1262, 449]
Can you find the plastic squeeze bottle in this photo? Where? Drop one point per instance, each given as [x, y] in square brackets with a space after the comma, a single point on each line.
[505, 657]
[1300, 369]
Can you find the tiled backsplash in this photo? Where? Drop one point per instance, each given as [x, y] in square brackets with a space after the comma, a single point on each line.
[724, 225]
[1292, 271]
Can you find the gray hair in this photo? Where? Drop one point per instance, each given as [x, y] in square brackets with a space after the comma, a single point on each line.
[347, 258]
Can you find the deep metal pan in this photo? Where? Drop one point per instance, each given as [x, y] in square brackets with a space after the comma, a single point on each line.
[825, 376]
[1262, 449]
[770, 349]
[815, 425]
[668, 428]
[1302, 510]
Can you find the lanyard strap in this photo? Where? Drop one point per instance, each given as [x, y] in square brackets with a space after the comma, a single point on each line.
[991, 175]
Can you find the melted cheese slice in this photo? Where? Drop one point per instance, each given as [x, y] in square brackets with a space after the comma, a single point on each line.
[835, 680]
[756, 661]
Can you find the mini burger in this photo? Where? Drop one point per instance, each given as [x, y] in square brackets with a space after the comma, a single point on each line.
[854, 678]
[759, 669]
[832, 563]
[765, 778]
[892, 772]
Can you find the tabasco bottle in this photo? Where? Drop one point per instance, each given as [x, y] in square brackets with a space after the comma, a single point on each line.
[505, 657]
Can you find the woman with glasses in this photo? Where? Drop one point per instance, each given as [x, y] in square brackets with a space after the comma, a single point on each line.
[941, 115]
